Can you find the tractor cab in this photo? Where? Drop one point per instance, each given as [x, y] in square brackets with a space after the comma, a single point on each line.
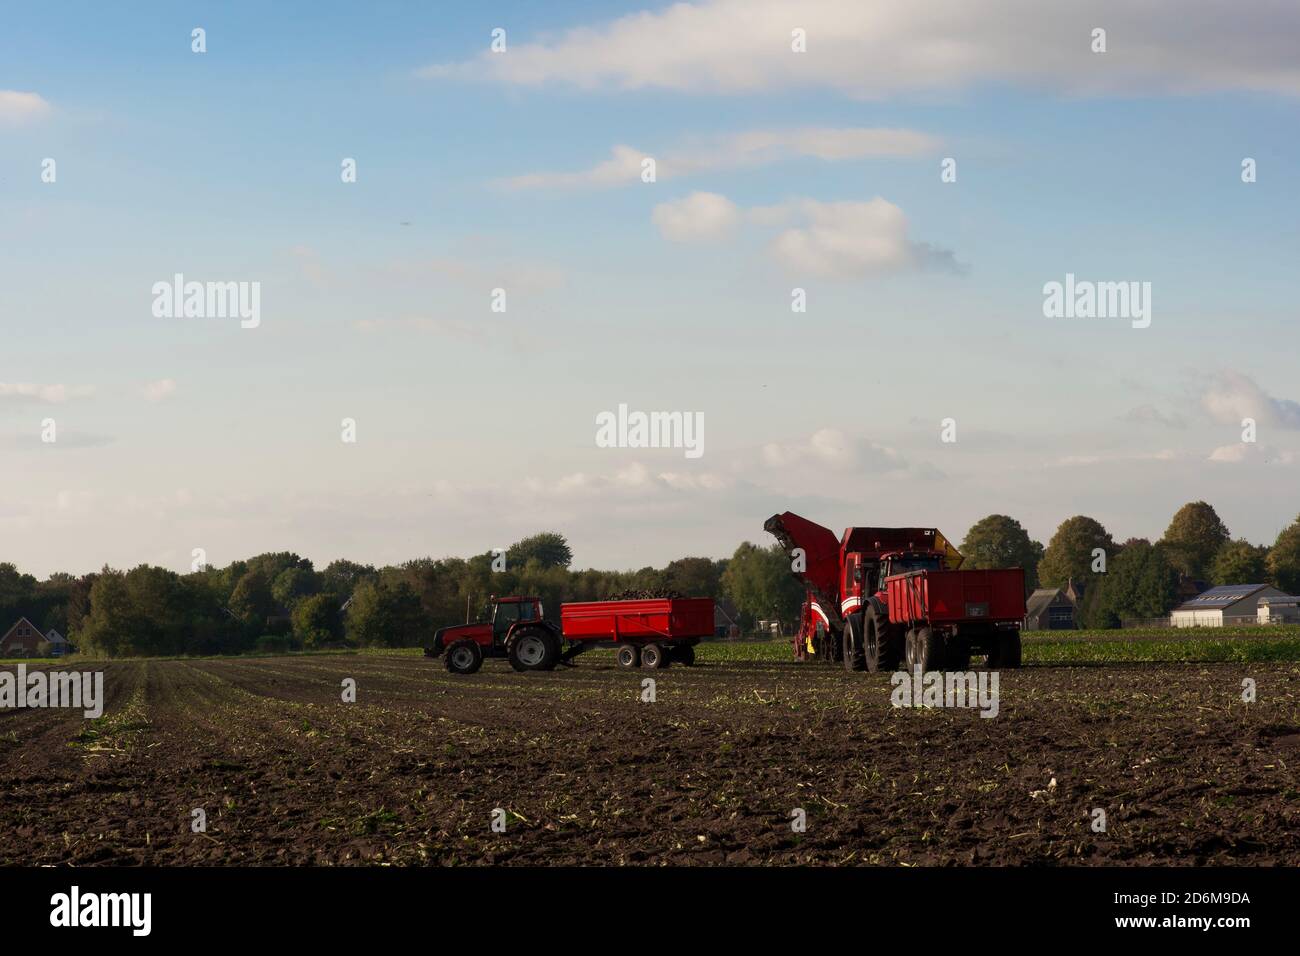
[505, 613]
[492, 626]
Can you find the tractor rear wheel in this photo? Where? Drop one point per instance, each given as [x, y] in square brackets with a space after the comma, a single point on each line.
[628, 656]
[854, 654]
[464, 657]
[1006, 650]
[880, 647]
[533, 650]
[653, 657]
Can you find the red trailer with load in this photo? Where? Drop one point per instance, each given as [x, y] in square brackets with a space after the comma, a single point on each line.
[881, 597]
[652, 632]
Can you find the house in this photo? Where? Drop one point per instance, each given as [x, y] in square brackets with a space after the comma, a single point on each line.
[1052, 609]
[24, 639]
[1228, 604]
[59, 645]
[724, 625]
[1279, 610]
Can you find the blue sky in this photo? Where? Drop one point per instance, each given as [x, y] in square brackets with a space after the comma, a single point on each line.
[476, 428]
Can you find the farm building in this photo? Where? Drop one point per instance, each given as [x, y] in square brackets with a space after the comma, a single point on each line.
[59, 645]
[1050, 609]
[1224, 605]
[24, 639]
[1279, 610]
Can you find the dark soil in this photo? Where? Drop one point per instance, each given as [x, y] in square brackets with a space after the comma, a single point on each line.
[711, 772]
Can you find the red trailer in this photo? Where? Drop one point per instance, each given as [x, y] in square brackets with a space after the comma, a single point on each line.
[647, 633]
[948, 613]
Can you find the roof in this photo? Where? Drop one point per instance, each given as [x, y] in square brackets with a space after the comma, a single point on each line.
[1042, 599]
[22, 620]
[54, 637]
[1218, 598]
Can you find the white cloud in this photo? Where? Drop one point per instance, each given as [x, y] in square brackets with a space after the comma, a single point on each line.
[16, 107]
[736, 150]
[698, 217]
[851, 239]
[831, 448]
[1231, 396]
[842, 240]
[887, 47]
[51, 394]
[157, 391]
[1250, 451]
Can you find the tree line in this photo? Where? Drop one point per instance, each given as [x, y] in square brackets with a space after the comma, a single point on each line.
[280, 600]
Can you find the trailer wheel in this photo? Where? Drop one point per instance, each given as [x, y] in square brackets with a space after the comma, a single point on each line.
[628, 656]
[854, 655]
[653, 656]
[533, 650]
[464, 657]
[684, 655]
[924, 650]
[1006, 650]
[880, 648]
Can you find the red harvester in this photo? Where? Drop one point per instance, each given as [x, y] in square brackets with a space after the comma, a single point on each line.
[878, 598]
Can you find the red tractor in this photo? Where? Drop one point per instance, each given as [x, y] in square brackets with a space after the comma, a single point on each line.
[880, 598]
[651, 632]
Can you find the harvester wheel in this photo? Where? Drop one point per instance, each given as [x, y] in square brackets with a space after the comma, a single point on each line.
[684, 655]
[854, 654]
[1006, 652]
[533, 650]
[880, 646]
[464, 657]
[628, 656]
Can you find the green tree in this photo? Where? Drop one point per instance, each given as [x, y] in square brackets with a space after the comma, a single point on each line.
[1070, 553]
[1239, 562]
[1284, 559]
[1000, 542]
[695, 577]
[252, 601]
[548, 549]
[1194, 537]
[342, 576]
[384, 614]
[316, 620]
[293, 584]
[759, 583]
[1139, 583]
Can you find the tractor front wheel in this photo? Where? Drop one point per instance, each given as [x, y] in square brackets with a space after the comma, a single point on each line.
[464, 657]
